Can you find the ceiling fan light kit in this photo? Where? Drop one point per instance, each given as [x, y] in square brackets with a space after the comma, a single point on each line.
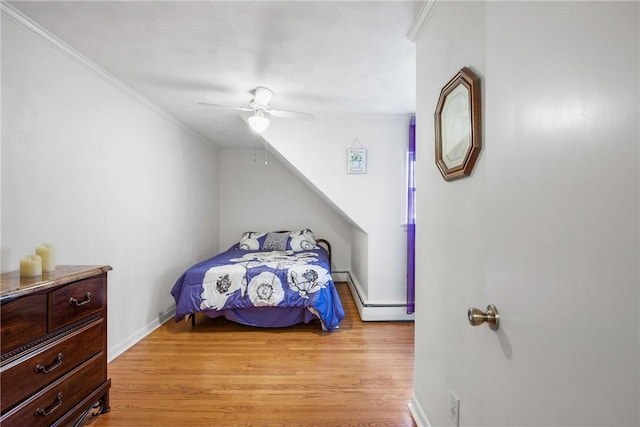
[259, 105]
[258, 122]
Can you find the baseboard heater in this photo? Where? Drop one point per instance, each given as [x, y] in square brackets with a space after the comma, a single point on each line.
[373, 312]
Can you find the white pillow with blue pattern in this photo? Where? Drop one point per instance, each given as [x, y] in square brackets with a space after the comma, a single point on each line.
[251, 241]
[301, 240]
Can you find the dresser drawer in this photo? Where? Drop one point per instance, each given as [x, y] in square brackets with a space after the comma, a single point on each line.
[76, 300]
[26, 376]
[54, 401]
[23, 320]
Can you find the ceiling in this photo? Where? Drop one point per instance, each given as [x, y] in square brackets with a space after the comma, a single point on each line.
[321, 57]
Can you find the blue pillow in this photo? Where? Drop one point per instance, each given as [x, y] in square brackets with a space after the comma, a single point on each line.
[275, 242]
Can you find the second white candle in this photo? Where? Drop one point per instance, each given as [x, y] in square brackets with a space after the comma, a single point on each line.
[48, 254]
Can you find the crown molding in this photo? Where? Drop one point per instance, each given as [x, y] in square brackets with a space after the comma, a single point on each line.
[363, 116]
[420, 22]
[25, 23]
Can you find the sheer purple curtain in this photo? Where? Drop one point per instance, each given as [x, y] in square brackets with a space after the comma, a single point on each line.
[411, 217]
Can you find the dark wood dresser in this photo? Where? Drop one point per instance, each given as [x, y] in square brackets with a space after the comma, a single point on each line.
[53, 367]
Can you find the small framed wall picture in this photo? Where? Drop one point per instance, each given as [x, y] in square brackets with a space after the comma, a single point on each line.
[356, 160]
[458, 124]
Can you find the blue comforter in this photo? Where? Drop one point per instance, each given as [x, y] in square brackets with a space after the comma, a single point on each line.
[239, 279]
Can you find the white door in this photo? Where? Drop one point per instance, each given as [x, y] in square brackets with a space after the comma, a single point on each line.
[547, 226]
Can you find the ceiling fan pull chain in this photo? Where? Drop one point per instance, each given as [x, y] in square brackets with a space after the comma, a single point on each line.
[255, 150]
[265, 151]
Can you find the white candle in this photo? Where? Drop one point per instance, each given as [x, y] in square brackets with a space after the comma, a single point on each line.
[48, 254]
[30, 266]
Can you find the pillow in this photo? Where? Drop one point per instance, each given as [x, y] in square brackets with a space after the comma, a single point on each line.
[251, 241]
[302, 240]
[275, 242]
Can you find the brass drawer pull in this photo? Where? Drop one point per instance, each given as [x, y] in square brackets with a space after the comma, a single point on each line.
[56, 365]
[87, 300]
[48, 411]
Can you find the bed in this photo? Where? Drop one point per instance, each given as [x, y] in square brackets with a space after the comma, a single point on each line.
[273, 279]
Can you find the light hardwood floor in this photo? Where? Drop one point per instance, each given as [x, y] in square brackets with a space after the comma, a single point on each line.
[224, 374]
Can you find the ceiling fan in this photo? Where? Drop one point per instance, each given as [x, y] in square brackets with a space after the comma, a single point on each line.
[259, 105]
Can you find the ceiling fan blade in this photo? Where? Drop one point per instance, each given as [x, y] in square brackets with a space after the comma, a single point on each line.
[228, 107]
[290, 114]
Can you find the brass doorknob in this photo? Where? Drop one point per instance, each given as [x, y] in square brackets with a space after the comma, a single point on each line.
[478, 317]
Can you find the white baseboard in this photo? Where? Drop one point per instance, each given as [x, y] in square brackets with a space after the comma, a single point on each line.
[373, 312]
[119, 348]
[417, 413]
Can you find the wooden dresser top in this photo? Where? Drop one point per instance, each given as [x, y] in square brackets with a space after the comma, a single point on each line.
[13, 286]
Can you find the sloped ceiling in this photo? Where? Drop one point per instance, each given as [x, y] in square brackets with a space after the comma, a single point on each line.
[321, 57]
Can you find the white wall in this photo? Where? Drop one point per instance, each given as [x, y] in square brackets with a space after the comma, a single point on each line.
[546, 228]
[259, 197]
[360, 260]
[372, 201]
[102, 176]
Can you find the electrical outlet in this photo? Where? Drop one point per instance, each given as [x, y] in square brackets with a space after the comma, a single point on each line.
[454, 409]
